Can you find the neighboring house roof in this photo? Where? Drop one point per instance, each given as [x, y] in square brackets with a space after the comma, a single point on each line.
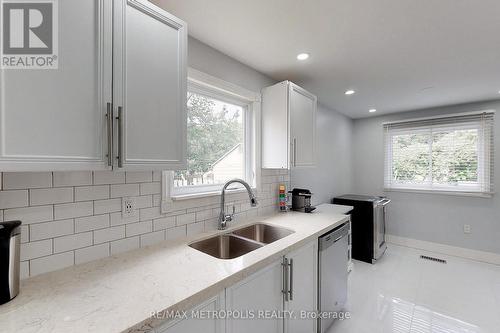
[225, 155]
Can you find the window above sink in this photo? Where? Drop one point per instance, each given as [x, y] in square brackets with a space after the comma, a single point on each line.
[221, 138]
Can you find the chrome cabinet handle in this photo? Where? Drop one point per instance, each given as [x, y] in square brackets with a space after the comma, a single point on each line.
[290, 283]
[120, 137]
[109, 126]
[284, 264]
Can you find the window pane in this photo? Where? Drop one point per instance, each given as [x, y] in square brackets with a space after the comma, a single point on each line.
[448, 154]
[410, 158]
[455, 157]
[215, 138]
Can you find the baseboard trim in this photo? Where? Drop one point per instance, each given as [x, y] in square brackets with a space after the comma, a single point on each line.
[482, 256]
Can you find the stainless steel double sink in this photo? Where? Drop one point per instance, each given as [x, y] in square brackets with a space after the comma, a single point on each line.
[240, 241]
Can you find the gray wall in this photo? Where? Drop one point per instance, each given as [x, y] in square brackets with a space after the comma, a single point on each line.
[429, 217]
[332, 174]
[211, 61]
[334, 131]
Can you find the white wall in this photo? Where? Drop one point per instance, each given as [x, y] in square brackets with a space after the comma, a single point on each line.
[332, 174]
[429, 217]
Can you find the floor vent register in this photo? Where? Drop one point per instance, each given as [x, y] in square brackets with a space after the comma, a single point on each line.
[442, 261]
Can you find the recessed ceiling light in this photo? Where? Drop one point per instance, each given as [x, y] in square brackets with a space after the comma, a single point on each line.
[349, 92]
[372, 110]
[302, 56]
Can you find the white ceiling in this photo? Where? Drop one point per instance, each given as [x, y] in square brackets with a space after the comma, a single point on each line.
[398, 55]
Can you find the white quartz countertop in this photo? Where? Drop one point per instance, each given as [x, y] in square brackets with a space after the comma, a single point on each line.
[119, 293]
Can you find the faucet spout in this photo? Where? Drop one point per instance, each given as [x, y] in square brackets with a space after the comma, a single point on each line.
[223, 216]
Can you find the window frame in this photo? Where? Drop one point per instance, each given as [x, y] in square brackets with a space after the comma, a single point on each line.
[212, 87]
[484, 149]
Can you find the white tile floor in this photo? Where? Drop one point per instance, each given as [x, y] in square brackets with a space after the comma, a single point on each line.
[403, 293]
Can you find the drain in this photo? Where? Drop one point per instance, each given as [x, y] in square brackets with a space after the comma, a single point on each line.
[442, 261]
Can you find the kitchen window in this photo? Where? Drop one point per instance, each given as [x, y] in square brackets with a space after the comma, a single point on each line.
[220, 138]
[451, 154]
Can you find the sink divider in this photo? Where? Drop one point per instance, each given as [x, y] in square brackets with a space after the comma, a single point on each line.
[246, 239]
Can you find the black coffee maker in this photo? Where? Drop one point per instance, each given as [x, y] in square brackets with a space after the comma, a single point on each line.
[10, 243]
[301, 200]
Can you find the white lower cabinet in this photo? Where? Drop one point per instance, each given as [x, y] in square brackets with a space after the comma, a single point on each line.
[263, 301]
[302, 297]
[261, 291]
[193, 325]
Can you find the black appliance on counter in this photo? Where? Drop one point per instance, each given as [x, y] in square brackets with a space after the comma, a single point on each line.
[301, 200]
[368, 225]
[10, 243]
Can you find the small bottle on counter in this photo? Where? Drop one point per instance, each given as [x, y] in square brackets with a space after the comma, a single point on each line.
[282, 198]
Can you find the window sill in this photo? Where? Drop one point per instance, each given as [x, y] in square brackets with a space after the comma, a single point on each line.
[442, 192]
[180, 197]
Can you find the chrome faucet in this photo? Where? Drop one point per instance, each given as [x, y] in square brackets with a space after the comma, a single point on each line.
[223, 216]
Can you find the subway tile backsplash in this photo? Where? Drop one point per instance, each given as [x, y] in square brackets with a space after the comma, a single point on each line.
[74, 217]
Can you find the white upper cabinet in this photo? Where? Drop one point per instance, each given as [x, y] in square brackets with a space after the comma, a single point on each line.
[150, 82]
[288, 127]
[54, 119]
[122, 61]
[302, 126]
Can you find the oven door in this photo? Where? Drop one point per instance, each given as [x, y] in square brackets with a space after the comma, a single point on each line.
[379, 214]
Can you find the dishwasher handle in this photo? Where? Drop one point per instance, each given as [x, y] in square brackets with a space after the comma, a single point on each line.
[333, 236]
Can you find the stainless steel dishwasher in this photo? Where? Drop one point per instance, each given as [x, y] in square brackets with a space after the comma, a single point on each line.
[332, 274]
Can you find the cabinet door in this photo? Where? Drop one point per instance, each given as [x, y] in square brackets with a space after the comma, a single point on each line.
[200, 324]
[275, 127]
[260, 292]
[302, 126]
[303, 288]
[54, 119]
[150, 84]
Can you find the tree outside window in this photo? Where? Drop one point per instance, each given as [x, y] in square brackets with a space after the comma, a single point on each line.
[215, 142]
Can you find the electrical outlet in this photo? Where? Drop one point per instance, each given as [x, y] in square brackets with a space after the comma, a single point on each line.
[128, 207]
[466, 228]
